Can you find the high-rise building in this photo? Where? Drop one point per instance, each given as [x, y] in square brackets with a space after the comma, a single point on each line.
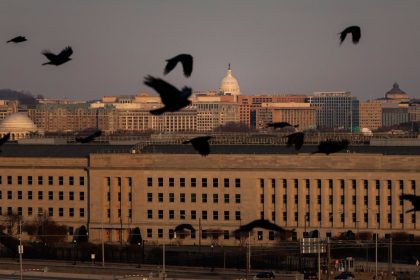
[370, 115]
[336, 110]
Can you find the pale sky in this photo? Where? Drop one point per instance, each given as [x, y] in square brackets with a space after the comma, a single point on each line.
[274, 46]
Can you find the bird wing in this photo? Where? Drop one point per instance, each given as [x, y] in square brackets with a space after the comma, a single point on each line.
[168, 93]
[49, 55]
[356, 34]
[298, 139]
[201, 144]
[170, 65]
[187, 64]
[66, 53]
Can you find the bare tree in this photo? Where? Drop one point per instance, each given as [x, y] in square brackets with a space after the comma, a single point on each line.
[10, 223]
[45, 230]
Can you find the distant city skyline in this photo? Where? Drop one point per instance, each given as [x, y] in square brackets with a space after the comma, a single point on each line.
[287, 47]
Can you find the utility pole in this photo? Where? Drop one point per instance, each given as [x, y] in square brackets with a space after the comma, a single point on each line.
[319, 257]
[248, 259]
[20, 249]
[390, 259]
[328, 258]
[376, 255]
[102, 241]
[163, 263]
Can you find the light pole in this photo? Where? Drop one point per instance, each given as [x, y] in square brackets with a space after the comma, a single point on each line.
[74, 246]
[376, 246]
[20, 249]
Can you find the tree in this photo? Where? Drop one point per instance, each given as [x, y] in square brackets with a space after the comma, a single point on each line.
[135, 236]
[80, 235]
[10, 223]
[44, 229]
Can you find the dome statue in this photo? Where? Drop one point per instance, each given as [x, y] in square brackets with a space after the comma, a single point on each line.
[229, 84]
[19, 125]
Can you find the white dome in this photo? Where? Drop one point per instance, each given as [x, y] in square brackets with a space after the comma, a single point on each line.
[18, 122]
[229, 84]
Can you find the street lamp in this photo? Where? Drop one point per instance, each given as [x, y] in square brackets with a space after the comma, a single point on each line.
[75, 247]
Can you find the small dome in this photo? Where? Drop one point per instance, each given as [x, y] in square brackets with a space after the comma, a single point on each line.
[396, 93]
[229, 84]
[19, 125]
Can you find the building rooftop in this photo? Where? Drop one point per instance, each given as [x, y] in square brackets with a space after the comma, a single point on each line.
[83, 150]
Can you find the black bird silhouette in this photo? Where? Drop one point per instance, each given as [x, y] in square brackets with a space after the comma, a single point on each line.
[89, 138]
[295, 139]
[172, 99]
[264, 224]
[355, 33]
[331, 146]
[201, 144]
[18, 39]
[182, 227]
[58, 59]
[414, 199]
[186, 61]
[4, 139]
[280, 124]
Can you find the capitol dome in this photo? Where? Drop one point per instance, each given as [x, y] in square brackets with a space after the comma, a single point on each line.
[396, 93]
[229, 84]
[19, 125]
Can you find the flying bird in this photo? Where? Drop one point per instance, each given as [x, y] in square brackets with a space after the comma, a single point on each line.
[89, 138]
[264, 224]
[355, 33]
[18, 39]
[58, 59]
[172, 98]
[200, 144]
[280, 125]
[295, 139]
[4, 139]
[414, 199]
[331, 146]
[182, 227]
[186, 61]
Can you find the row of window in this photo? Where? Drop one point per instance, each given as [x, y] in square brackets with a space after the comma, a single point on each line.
[119, 181]
[193, 182]
[205, 234]
[29, 196]
[193, 215]
[330, 199]
[40, 211]
[40, 180]
[342, 183]
[193, 197]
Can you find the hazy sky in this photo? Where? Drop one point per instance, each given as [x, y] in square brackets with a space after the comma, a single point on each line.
[274, 46]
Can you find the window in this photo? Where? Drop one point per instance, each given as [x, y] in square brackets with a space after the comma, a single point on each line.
[19, 195]
[149, 181]
[204, 197]
[130, 196]
[130, 213]
[389, 183]
[71, 212]
[330, 199]
[160, 197]
[40, 195]
[319, 217]
[19, 211]
[390, 218]
[237, 198]
[149, 197]
[331, 216]
[308, 183]
[262, 183]
[284, 216]
[413, 218]
[204, 215]
[378, 218]
[82, 181]
[1, 195]
[353, 184]
[30, 211]
[50, 195]
[50, 211]
[40, 180]
[171, 214]
[50, 180]
[19, 180]
[182, 214]
[401, 218]
[150, 214]
[377, 184]
[238, 215]
[401, 185]
[182, 182]
[108, 181]
[171, 197]
[60, 180]
[108, 213]
[119, 181]
[366, 184]
[1, 181]
[29, 195]
[273, 216]
[226, 182]
[366, 200]
[149, 233]
[10, 211]
[330, 183]
[296, 216]
[353, 200]
[193, 197]
[71, 195]
[215, 182]
[262, 198]
[226, 215]
[377, 200]
[160, 182]
[204, 182]
[160, 214]
[342, 217]
[413, 185]
[237, 183]
[82, 196]
[342, 183]
[285, 183]
[296, 183]
[9, 180]
[225, 234]
[193, 182]
[193, 214]
[296, 199]
[171, 182]
[215, 198]
[61, 195]
[215, 215]
[284, 198]
[366, 217]
[182, 197]
[353, 217]
[160, 233]
[318, 199]
[342, 200]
